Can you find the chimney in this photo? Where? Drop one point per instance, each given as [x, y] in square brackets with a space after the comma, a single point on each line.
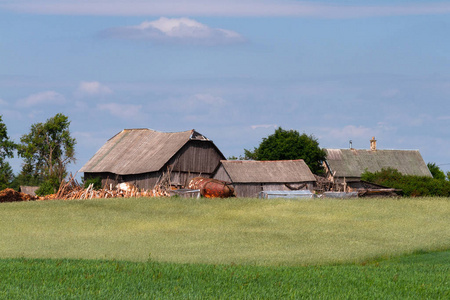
[373, 144]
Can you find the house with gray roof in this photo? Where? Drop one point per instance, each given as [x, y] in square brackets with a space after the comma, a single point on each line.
[249, 178]
[347, 165]
[143, 156]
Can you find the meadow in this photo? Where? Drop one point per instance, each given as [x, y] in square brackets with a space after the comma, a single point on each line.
[226, 248]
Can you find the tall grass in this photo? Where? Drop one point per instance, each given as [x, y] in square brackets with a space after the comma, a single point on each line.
[225, 231]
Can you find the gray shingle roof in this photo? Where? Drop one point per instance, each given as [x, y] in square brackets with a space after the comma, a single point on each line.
[136, 151]
[279, 171]
[352, 162]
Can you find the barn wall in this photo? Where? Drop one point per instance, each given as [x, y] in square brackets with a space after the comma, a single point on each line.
[221, 174]
[196, 157]
[182, 179]
[275, 187]
[247, 189]
[148, 181]
[107, 178]
[144, 181]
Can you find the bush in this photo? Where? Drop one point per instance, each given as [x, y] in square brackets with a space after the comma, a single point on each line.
[97, 181]
[413, 186]
[46, 188]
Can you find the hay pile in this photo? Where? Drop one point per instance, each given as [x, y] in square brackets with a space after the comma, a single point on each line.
[10, 195]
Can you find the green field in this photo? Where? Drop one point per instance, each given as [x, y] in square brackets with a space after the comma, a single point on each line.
[420, 276]
[225, 248]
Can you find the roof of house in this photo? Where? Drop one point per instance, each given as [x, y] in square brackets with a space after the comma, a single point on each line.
[352, 162]
[278, 171]
[136, 151]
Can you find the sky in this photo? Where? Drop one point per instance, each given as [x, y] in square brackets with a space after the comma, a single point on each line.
[232, 70]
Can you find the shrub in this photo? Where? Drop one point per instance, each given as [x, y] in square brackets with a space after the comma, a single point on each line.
[47, 187]
[414, 186]
[97, 181]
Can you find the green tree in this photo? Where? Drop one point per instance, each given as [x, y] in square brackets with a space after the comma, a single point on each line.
[47, 150]
[289, 144]
[436, 171]
[6, 151]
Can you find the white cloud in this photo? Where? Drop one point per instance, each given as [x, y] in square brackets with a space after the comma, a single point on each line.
[123, 111]
[175, 30]
[47, 97]
[264, 126]
[92, 88]
[323, 9]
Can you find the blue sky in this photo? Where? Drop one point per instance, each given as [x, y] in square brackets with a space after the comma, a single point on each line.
[233, 70]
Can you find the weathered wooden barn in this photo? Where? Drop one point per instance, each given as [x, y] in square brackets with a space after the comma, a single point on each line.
[144, 156]
[345, 166]
[251, 177]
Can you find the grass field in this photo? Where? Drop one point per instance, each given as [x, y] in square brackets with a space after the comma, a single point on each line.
[240, 231]
[228, 249]
[419, 276]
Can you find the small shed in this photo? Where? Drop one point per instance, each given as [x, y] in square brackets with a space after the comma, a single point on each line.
[29, 190]
[142, 157]
[249, 178]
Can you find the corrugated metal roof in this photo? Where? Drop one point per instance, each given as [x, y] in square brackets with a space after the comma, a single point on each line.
[279, 171]
[136, 151]
[352, 162]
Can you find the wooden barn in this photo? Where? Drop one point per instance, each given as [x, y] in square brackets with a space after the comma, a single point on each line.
[251, 177]
[144, 156]
[345, 166]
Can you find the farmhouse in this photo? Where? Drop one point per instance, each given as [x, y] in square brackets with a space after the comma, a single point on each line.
[251, 177]
[144, 156]
[345, 166]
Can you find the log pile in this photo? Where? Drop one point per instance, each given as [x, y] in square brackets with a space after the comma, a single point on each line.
[10, 195]
[72, 190]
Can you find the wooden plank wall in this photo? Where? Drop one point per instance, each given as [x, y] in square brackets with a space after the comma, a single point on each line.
[196, 157]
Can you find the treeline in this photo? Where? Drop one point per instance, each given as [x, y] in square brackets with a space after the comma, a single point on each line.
[46, 151]
[412, 186]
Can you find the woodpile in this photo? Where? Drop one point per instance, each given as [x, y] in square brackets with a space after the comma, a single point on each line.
[10, 195]
[72, 190]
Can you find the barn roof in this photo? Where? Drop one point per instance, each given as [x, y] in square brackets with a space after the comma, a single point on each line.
[352, 162]
[136, 151]
[275, 171]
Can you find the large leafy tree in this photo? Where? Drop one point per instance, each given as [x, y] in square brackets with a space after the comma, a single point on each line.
[47, 150]
[6, 151]
[289, 144]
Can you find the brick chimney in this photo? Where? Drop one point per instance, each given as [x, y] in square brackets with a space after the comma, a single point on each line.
[373, 144]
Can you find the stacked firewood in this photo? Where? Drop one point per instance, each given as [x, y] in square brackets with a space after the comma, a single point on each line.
[71, 190]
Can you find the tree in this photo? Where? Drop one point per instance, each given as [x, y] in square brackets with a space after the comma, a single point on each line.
[6, 151]
[289, 144]
[47, 150]
[436, 171]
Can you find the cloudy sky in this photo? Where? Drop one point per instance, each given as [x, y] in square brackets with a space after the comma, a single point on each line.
[233, 70]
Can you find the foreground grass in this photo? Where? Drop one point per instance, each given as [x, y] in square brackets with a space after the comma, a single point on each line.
[423, 276]
[212, 231]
